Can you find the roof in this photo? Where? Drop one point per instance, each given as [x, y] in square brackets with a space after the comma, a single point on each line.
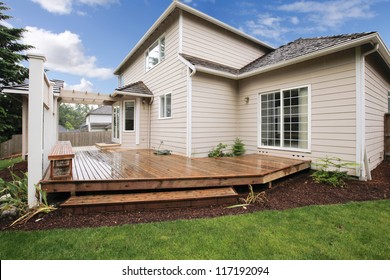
[102, 110]
[178, 5]
[137, 88]
[294, 52]
[24, 87]
[301, 47]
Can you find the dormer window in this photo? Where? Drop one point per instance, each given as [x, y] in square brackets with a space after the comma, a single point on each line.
[155, 54]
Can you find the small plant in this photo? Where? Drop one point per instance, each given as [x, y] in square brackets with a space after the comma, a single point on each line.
[14, 193]
[219, 151]
[330, 171]
[238, 148]
[255, 198]
[43, 207]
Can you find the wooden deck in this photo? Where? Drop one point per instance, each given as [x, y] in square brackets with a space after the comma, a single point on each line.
[133, 170]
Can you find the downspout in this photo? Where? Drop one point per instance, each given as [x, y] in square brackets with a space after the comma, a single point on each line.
[362, 156]
[191, 71]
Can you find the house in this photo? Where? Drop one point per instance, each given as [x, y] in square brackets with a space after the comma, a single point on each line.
[98, 119]
[193, 81]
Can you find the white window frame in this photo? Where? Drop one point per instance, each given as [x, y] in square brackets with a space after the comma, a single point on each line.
[124, 115]
[160, 58]
[259, 116]
[162, 98]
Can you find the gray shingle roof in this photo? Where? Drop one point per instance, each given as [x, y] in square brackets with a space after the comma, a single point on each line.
[102, 110]
[138, 87]
[209, 64]
[295, 49]
[300, 47]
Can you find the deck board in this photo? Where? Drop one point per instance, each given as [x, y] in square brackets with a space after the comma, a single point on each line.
[123, 169]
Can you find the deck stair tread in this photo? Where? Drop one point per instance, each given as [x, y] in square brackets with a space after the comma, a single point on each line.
[150, 197]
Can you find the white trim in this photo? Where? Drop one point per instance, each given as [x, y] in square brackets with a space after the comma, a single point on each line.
[124, 115]
[281, 148]
[116, 93]
[15, 91]
[189, 114]
[359, 112]
[167, 12]
[180, 31]
[137, 116]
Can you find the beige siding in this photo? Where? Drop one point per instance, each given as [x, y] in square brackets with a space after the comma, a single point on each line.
[333, 108]
[214, 113]
[167, 77]
[376, 89]
[207, 41]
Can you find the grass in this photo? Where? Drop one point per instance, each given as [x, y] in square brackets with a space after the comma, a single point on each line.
[5, 163]
[349, 231]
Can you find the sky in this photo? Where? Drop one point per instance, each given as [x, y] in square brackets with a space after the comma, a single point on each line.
[85, 40]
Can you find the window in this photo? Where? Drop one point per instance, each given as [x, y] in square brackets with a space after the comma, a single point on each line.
[388, 101]
[129, 116]
[285, 119]
[120, 81]
[166, 106]
[155, 54]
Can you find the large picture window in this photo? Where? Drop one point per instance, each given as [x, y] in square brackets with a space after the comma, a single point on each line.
[284, 117]
[166, 106]
[129, 116]
[155, 54]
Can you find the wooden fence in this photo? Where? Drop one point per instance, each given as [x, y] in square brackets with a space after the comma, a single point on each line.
[79, 139]
[387, 134]
[11, 147]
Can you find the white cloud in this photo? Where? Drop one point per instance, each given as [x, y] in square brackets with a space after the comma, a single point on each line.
[84, 85]
[63, 7]
[294, 20]
[56, 6]
[64, 53]
[331, 14]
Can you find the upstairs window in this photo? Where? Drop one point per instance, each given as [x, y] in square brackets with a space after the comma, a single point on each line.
[155, 54]
[166, 106]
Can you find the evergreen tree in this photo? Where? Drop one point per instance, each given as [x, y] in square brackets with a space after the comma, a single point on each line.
[11, 72]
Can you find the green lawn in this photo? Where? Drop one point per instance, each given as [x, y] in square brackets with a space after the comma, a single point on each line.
[8, 162]
[350, 231]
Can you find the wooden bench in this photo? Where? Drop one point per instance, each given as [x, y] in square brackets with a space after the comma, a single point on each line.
[61, 158]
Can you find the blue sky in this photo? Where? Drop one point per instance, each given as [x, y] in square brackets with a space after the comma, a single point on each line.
[85, 40]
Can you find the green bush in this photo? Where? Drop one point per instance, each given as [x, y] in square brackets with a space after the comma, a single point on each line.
[219, 151]
[14, 193]
[330, 171]
[238, 148]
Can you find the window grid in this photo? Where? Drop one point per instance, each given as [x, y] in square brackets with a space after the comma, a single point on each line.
[284, 119]
[166, 106]
[155, 54]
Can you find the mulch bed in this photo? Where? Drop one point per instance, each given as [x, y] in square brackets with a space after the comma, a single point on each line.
[294, 191]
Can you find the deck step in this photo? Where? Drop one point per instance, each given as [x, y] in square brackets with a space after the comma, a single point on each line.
[150, 200]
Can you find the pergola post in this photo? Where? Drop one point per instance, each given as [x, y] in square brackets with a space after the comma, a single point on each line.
[35, 125]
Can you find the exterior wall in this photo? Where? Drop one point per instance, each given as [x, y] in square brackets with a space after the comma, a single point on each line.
[333, 107]
[377, 86]
[167, 77]
[99, 119]
[214, 113]
[210, 42]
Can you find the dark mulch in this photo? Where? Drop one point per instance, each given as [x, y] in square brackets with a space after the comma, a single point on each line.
[294, 191]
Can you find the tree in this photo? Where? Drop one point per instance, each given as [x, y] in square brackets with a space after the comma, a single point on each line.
[73, 116]
[11, 72]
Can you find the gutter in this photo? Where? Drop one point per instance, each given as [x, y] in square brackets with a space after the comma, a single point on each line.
[116, 93]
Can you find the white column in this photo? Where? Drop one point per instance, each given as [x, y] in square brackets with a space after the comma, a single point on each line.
[35, 125]
[137, 120]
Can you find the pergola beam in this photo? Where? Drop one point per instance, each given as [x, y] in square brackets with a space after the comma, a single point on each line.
[83, 97]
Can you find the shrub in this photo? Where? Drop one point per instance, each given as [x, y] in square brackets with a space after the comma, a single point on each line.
[238, 148]
[219, 151]
[14, 193]
[330, 173]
